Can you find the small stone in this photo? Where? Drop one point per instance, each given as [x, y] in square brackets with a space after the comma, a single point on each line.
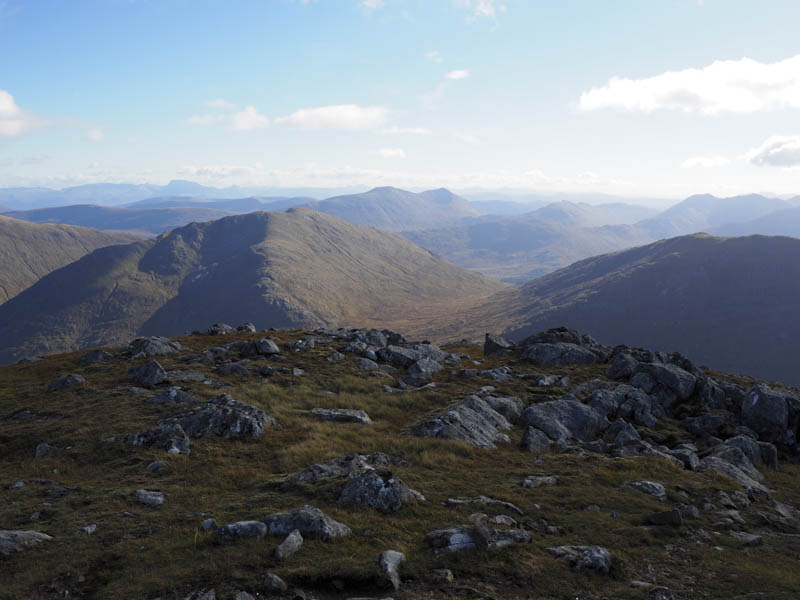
[65, 383]
[296, 372]
[266, 371]
[748, 540]
[289, 546]
[243, 530]
[668, 517]
[148, 375]
[45, 449]
[342, 415]
[94, 356]
[209, 525]
[87, 529]
[443, 575]
[157, 466]
[274, 584]
[17, 485]
[659, 593]
[149, 498]
[651, 488]
[535, 481]
[389, 561]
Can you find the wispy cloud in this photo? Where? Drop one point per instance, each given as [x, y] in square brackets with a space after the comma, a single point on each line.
[777, 151]
[457, 74]
[481, 9]
[434, 56]
[371, 4]
[95, 134]
[740, 86]
[249, 119]
[392, 153]
[405, 131]
[13, 120]
[220, 103]
[705, 162]
[340, 116]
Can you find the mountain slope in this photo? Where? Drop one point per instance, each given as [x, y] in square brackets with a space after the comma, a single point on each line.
[781, 222]
[393, 209]
[729, 302]
[588, 215]
[30, 251]
[144, 220]
[299, 268]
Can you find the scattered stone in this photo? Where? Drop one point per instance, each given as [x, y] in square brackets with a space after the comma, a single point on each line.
[535, 481]
[766, 411]
[659, 593]
[651, 488]
[224, 417]
[421, 372]
[247, 327]
[565, 419]
[234, 368]
[495, 345]
[342, 415]
[172, 396]
[365, 364]
[274, 584]
[443, 576]
[266, 347]
[467, 537]
[296, 372]
[308, 520]
[336, 357]
[667, 517]
[65, 383]
[584, 558]
[45, 449]
[535, 441]
[149, 498]
[16, 541]
[344, 466]
[148, 375]
[242, 530]
[209, 525]
[748, 540]
[484, 501]
[471, 420]
[17, 485]
[220, 329]
[289, 546]
[381, 490]
[167, 436]
[389, 562]
[87, 529]
[266, 371]
[94, 356]
[152, 346]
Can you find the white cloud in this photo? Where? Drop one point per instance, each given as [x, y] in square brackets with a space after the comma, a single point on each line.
[95, 134]
[777, 151]
[742, 86]
[34, 159]
[705, 162]
[249, 119]
[392, 153]
[220, 103]
[13, 120]
[434, 56]
[482, 8]
[458, 74]
[406, 131]
[463, 136]
[342, 116]
[372, 4]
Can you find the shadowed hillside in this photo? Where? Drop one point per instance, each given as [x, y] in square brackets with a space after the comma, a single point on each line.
[299, 268]
[729, 302]
[30, 251]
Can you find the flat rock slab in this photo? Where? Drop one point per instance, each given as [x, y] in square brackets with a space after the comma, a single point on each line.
[382, 490]
[16, 541]
[651, 488]
[308, 520]
[342, 415]
[344, 466]
[484, 501]
[584, 558]
[148, 497]
[469, 537]
[242, 530]
[65, 383]
[225, 417]
[472, 420]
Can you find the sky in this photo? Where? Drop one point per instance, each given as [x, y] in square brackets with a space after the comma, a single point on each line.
[656, 98]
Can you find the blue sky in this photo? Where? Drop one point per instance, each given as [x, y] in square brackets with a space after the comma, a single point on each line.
[642, 98]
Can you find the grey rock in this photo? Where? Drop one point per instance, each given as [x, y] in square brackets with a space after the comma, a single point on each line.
[748, 446]
[689, 458]
[289, 546]
[623, 365]
[559, 355]
[308, 520]
[65, 383]
[172, 396]
[651, 488]
[748, 540]
[535, 481]
[535, 440]
[381, 490]
[247, 327]
[733, 463]
[224, 417]
[659, 593]
[209, 525]
[398, 356]
[496, 345]
[484, 501]
[344, 466]
[220, 329]
[18, 540]
[296, 372]
[342, 415]
[267, 347]
[471, 420]
[766, 411]
[242, 530]
[203, 595]
[17, 485]
[421, 372]
[670, 517]
[45, 449]
[365, 364]
[389, 562]
[87, 529]
[584, 558]
[186, 376]
[672, 377]
[148, 375]
[94, 356]
[510, 407]
[234, 368]
[149, 497]
[274, 584]
[467, 537]
[152, 346]
[266, 371]
[336, 357]
[167, 436]
[243, 596]
[769, 454]
[565, 419]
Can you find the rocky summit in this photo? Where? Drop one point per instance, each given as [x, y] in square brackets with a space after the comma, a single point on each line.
[355, 463]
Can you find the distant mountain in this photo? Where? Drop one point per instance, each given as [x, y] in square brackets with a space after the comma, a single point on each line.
[730, 303]
[504, 207]
[521, 248]
[393, 209]
[591, 215]
[705, 212]
[235, 205]
[781, 222]
[292, 269]
[145, 221]
[30, 251]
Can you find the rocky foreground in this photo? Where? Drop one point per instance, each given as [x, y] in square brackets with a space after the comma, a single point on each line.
[357, 464]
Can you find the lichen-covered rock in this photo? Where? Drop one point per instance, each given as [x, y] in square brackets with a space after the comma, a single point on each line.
[70, 381]
[535, 440]
[342, 415]
[289, 546]
[225, 417]
[421, 372]
[510, 407]
[565, 419]
[389, 563]
[241, 530]
[478, 536]
[766, 411]
[344, 466]
[149, 497]
[94, 356]
[382, 490]
[172, 396]
[584, 558]
[18, 540]
[651, 488]
[494, 345]
[484, 501]
[471, 420]
[148, 375]
[152, 346]
[308, 520]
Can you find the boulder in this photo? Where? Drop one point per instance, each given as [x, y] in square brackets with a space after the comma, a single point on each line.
[381, 490]
[247, 327]
[242, 530]
[484, 501]
[152, 346]
[398, 356]
[344, 466]
[468, 537]
[671, 377]
[365, 364]
[535, 440]
[94, 356]
[421, 372]
[225, 417]
[559, 355]
[651, 488]
[336, 357]
[565, 419]
[148, 497]
[234, 368]
[167, 436]
[659, 593]
[495, 345]
[274, 584]
[45, 449]
[471, 420]
[342, 415]
[172, 396]
[289, 546]
[389, 562]
[185, 376]
[584, 558]
[732, 462]
[209, 525]
[510, 407]
[267, 347]
[535, 481]
[19, 540]
[220, 329]
[766, 411]
[148, 375]
[672, 517]
[65, 383]
[626, 402]
[308, 520]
